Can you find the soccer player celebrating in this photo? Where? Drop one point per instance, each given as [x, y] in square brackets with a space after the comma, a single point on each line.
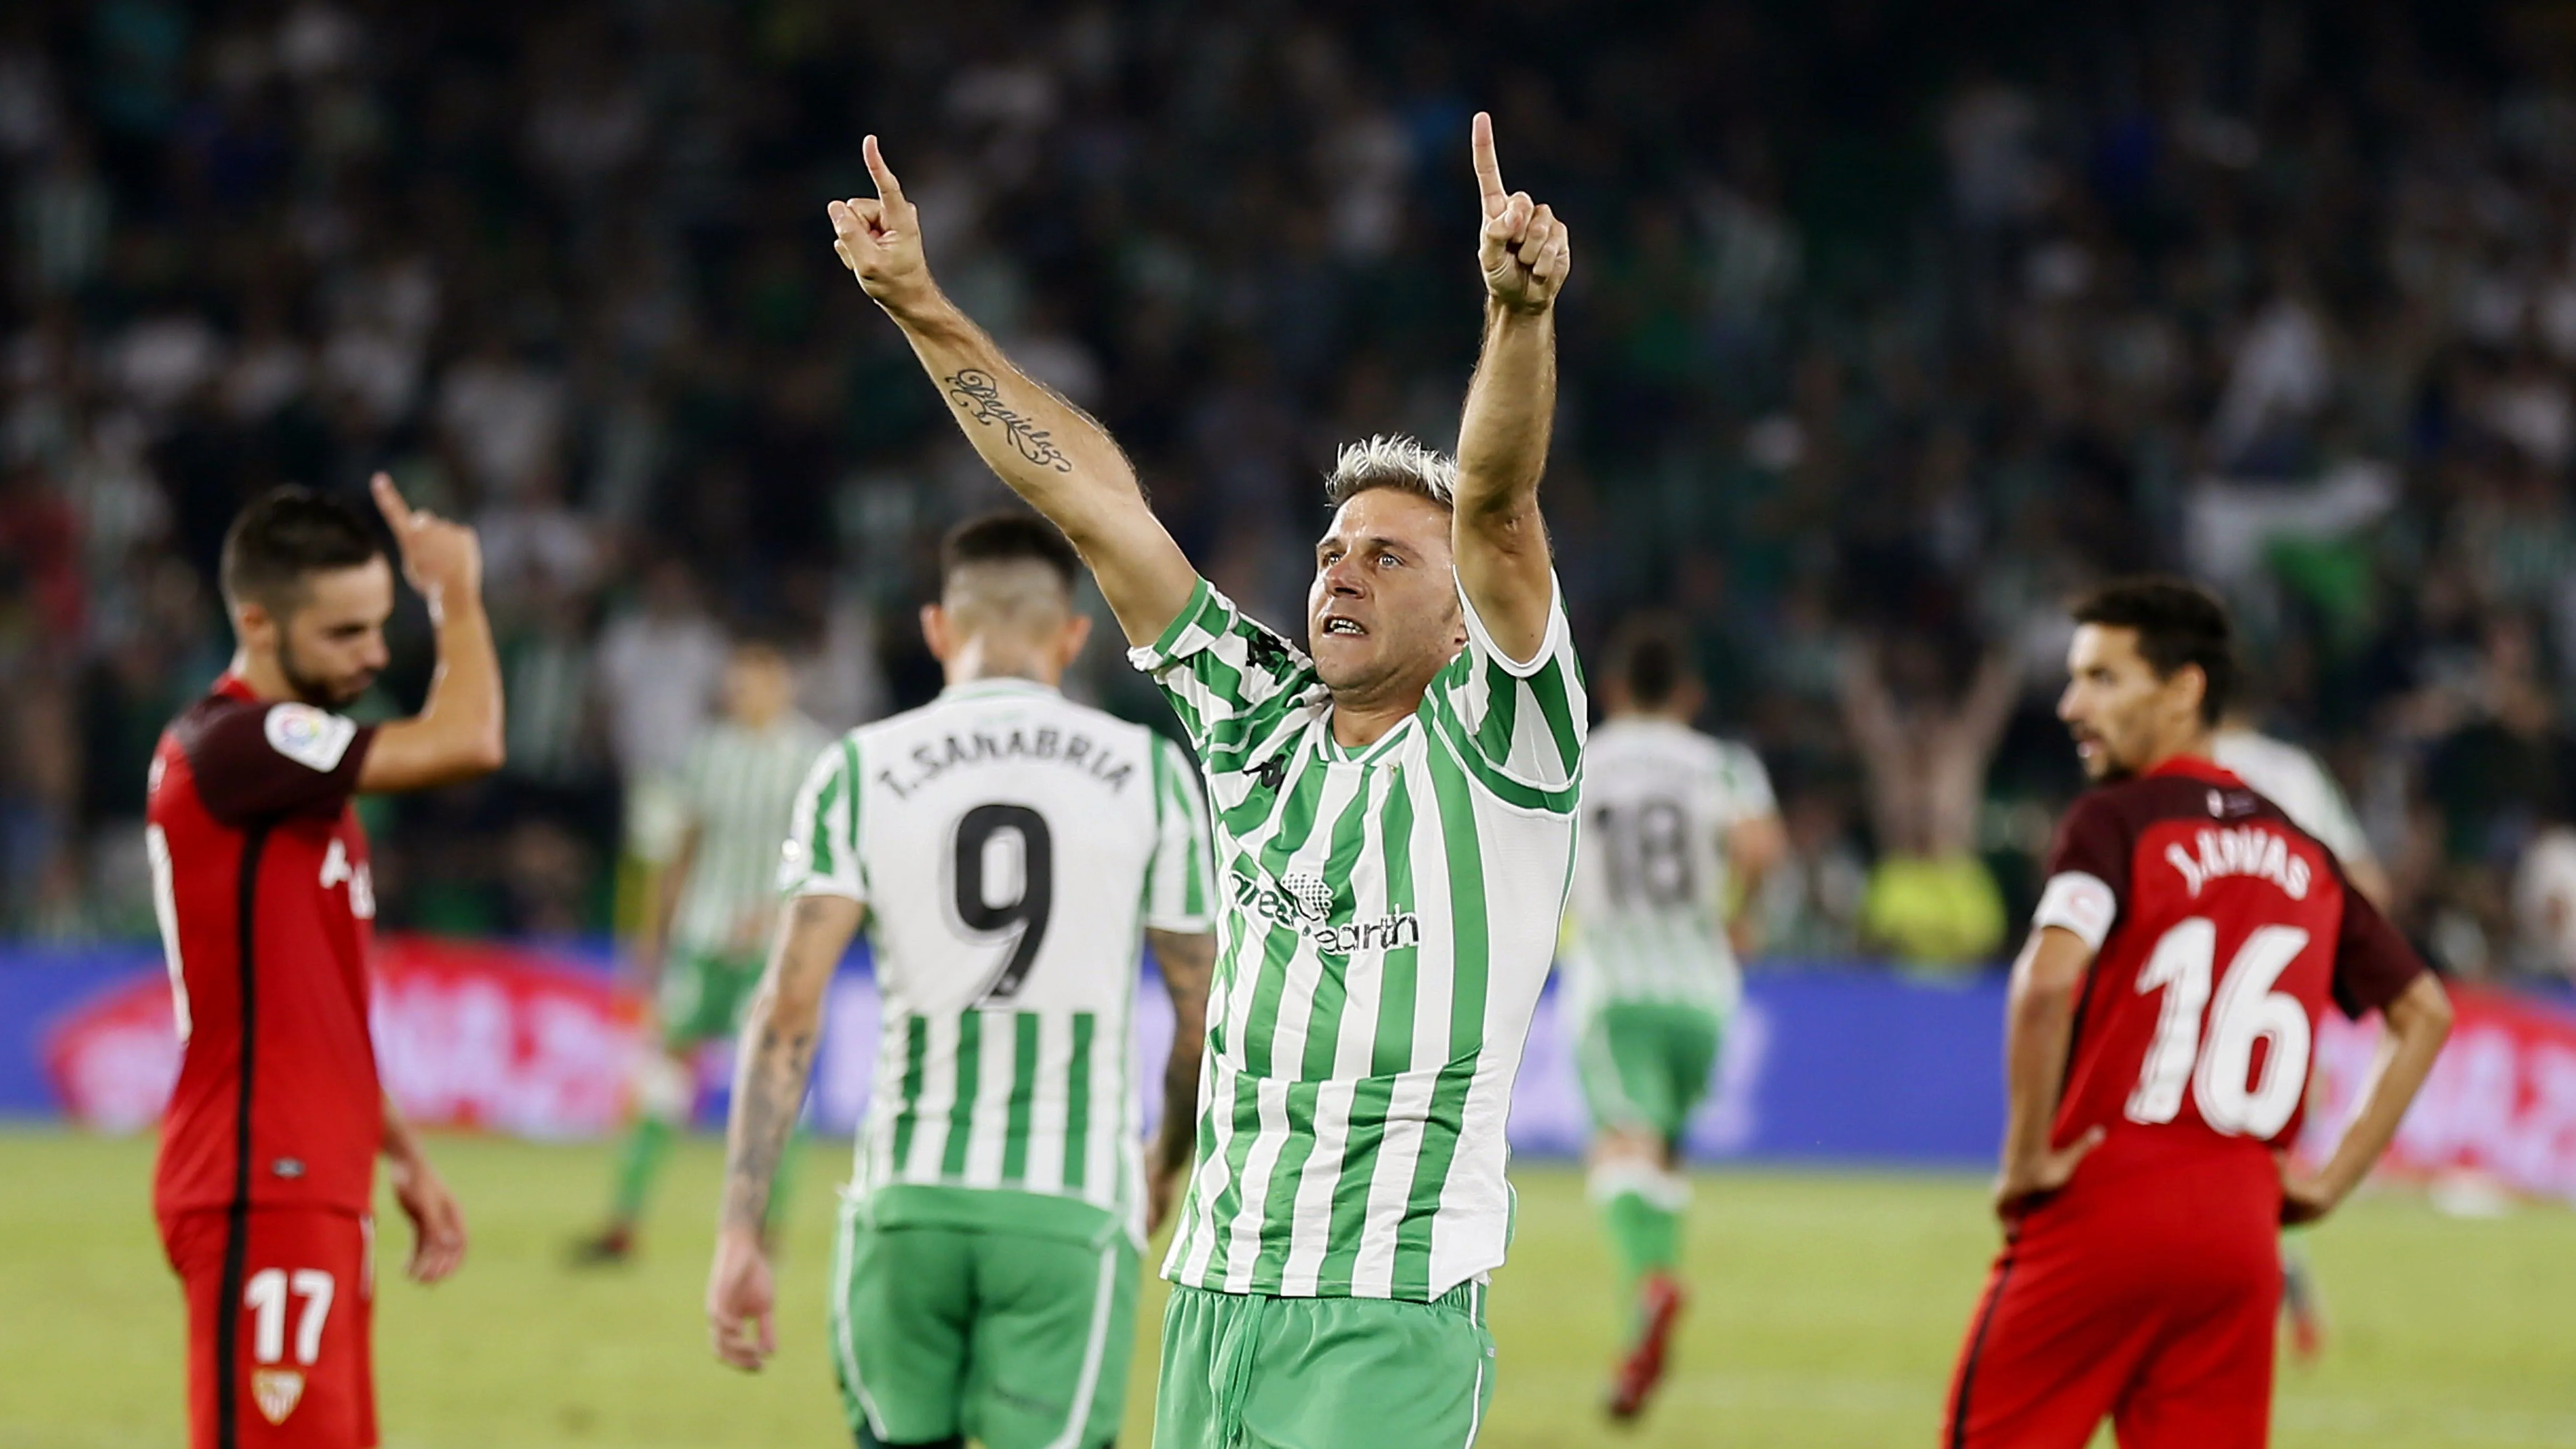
[1395, 828]
[713, 908]
[1676, 827]
[267, 1175]
[1006, 846]
[2157, 1054]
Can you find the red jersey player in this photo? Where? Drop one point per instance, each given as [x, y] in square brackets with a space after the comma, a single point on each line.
[2157, 1051]
[268, 1148]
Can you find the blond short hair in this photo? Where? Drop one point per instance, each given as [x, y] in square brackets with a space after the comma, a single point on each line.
[1391, 460]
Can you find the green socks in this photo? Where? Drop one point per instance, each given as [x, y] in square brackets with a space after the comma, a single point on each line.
[1641, 1206]
[637, 1164]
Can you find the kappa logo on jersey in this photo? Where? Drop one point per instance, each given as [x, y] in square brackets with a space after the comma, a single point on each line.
[313, 738]
[277, 1391]
[2247, 850]
[1303, 902]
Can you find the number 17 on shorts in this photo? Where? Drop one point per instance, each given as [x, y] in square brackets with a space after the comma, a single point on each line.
[279, 1322]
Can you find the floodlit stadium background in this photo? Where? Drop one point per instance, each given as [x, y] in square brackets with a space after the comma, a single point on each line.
[1893, 325]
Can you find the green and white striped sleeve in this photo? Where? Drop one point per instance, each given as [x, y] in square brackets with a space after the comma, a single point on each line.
[1180, 880]
[1227, 677]
[821, 856]
[1517, 725]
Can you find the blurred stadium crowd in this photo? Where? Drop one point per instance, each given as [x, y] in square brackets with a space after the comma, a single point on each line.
[1894, 325]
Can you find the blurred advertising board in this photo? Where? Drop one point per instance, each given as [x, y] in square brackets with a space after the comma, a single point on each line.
[1824, 1066]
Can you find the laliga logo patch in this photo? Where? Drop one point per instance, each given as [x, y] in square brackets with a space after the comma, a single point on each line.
[277, 1391]
[1313, 894]
[313, 738]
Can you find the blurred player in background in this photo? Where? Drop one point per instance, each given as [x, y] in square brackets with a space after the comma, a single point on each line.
[266, 1184]
[1006, 847]
[1395, 812]
[700, 951]
[1677, 832]
[2157, 1048]
[2306, 791]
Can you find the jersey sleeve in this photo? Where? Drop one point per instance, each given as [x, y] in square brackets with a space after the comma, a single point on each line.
[2336, 828]
[1518, 724]
[255, 761]
[821, 856]
[1743, 786]
[2373, 965]
[2088, 872]
[1180, 879]
[1225, 675]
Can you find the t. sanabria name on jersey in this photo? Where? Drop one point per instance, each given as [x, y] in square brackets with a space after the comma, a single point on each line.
[955, 751]
[2242, 850]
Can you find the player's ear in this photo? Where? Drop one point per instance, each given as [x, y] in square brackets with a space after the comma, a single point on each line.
[934, 631]
[1070, 639]
[254, 626]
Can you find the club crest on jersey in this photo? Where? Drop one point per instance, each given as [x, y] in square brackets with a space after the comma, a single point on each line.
[2244, 850]
[1304, 901]
[277, 1391]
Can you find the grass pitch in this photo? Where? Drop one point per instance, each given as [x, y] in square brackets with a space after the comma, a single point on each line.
[1829, 1307]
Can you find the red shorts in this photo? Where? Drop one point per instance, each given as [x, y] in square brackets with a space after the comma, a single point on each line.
[2147, 1295]
[279, 1328]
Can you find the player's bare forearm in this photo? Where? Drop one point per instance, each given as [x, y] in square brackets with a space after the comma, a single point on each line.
[2418, 1022]
[1499, 539]
[779, 1033]
[1062, 462]
[2039, 1025]
[1188, 964]
[400, 1143]
[1049, 451]
[458, 734]
[668, 885]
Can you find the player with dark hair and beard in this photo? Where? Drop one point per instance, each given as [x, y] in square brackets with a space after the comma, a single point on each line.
[2157, 1047]
[266, 1177]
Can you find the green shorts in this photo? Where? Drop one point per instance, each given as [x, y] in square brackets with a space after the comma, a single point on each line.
[703, 995]
[1014, 1339]
[1645, 1065]
[1245, 1371]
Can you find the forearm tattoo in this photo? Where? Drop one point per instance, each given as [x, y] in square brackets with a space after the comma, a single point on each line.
[769, 1094]
[979, 396]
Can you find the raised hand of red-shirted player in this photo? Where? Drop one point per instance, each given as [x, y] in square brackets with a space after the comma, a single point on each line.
[443, 560]
[2025, 1178]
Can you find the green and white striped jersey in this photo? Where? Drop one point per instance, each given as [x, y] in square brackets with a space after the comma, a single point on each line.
[1011, 847]
[736, 785]
[1389, 917]
[1647, 922]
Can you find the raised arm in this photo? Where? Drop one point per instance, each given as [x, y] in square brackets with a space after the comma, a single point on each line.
[1051, 453]
[457, 735]
[1498, 537]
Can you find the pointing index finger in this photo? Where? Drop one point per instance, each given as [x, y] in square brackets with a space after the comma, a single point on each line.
[888, 188]
[1489, 172]
[389, 502]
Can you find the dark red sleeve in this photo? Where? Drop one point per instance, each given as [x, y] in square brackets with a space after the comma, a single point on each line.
[255, 761]
[2095, 838]
[2373, 965]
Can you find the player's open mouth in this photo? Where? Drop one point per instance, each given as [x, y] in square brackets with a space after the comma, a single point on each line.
[1343, 626]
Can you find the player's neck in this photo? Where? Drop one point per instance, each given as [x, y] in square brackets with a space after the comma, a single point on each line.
[261, 676]
[983, 659]
[2202, 745]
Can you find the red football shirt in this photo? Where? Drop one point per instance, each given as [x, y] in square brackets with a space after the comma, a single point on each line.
[2220, 930]
[260, 879]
